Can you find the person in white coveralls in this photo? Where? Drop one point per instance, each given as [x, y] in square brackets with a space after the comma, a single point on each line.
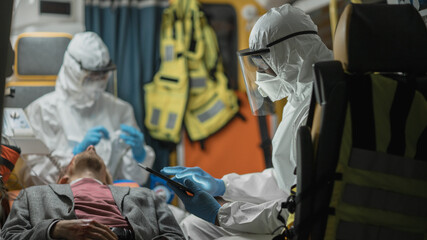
[283, 45]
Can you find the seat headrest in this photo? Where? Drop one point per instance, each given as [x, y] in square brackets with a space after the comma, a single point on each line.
[39, 55]
[381, 38]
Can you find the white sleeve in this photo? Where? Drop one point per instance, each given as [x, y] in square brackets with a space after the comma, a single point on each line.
[41, 169]
[253, 187]
[252, 218]
[128, 168]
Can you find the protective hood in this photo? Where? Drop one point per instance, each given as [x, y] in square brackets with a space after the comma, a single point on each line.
[286, 36]
[287, 32]
[85, 53]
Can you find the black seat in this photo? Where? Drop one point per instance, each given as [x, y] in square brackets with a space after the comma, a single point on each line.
[362, 166]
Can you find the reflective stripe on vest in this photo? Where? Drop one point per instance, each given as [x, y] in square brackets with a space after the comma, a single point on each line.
[387, 163]
[383, 191]
[384, 200]
[190, 86]
[358, 231]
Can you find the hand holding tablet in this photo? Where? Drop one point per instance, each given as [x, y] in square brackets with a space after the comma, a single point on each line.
[174, 183]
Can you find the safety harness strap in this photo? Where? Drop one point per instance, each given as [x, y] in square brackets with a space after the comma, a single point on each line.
[7, 164]
[399, 111]
[265, 141]
[384, 200]
[357, 231]
[421, 152]
[382, 193]
[363, 128]
[388, 164]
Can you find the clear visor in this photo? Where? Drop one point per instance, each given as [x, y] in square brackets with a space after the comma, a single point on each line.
[98, 76]
[250, 64]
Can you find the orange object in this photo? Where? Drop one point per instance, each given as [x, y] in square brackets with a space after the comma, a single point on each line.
[243, 27]
[126, 183]
[235, 148]
[12, 195]
[9, 156]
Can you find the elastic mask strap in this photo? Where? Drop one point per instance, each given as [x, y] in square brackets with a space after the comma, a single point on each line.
[290, 36]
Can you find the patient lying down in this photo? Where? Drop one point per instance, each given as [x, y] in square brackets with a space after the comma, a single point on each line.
[84, 206]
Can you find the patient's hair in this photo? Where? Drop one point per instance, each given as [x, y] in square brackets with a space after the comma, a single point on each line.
[87, 161]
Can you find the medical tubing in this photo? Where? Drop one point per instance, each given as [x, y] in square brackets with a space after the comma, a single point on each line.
[120, 160]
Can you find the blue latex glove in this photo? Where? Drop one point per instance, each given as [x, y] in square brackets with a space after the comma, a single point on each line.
[135, 139]
[92, 137]
[201, 204]
[213, 186]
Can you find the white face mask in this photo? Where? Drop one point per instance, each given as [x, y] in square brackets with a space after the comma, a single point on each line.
[270, 86]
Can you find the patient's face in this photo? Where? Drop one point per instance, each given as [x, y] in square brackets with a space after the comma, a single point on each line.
[88, 160]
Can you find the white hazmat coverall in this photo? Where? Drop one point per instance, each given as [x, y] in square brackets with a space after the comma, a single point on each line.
[62, 118]
[255, 199]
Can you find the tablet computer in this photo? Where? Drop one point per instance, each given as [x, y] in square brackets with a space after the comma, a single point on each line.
[161, 175]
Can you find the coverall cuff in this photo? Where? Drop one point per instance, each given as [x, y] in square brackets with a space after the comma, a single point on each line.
[226, 194]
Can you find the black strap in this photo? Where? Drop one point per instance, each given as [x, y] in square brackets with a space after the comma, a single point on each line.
[290, 36]
[399, 111]
[14, 148]
[202, 144]
[169, 79]
[290, 204]
[310, 116]
[317, 186]
[286, 234]
[362, 112]
[241, 116]
[193, 42]
[213, 70]
[123, 233]
[265, 141]
[175, 18]
[305, 224]
[421, 153]
[293, 200]
[7, 163]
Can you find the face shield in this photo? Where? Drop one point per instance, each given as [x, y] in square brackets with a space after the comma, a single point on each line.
[95, 76]
[251, 62]
[260, 79]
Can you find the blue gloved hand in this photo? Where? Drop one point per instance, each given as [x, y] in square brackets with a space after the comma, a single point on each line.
[92, 137]
[135, 139]
[201, 204]
[213, 186]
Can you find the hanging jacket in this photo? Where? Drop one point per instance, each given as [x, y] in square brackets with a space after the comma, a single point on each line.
[190, 89]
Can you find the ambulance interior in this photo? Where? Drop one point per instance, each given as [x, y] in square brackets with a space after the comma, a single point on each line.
[40, 31]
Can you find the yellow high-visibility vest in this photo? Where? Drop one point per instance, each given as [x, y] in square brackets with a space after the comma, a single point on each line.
[190, 87]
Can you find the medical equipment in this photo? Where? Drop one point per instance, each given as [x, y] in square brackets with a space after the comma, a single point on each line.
[201, 204]
[172, 182]
[135, 139]
[92, 137]
[18, 131]
[215, 187]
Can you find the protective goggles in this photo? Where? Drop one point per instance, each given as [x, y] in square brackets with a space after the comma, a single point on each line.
[262, 65]
[109, 67]
[251, 62]
[97, 76]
